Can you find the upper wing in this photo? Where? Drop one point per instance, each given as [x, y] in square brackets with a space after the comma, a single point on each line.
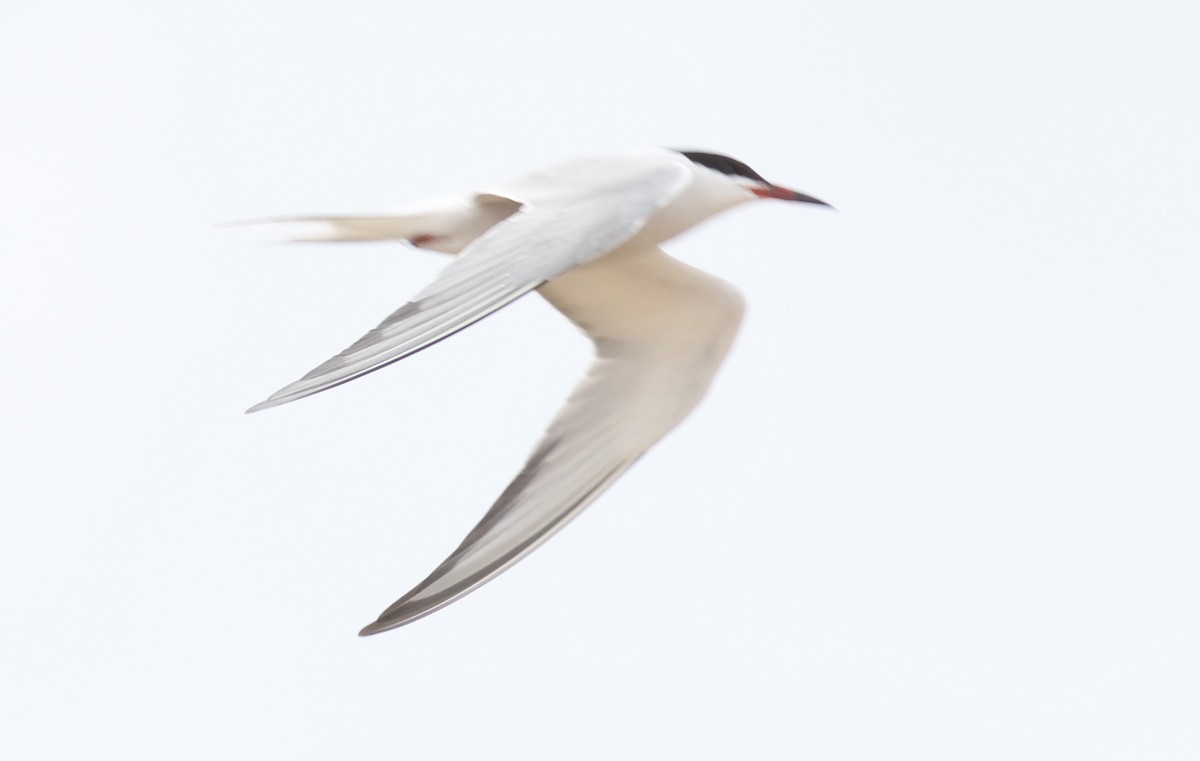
[661, 329]
[536, 244]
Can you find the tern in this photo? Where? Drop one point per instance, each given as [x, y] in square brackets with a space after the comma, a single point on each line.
[585, 235]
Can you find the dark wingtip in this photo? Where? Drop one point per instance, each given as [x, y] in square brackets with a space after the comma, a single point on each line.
[263, 405]
[373, 628]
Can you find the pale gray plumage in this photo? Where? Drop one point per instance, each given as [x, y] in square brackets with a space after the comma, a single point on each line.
[586, 235]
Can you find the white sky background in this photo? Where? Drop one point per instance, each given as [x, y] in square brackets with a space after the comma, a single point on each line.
[941, 504]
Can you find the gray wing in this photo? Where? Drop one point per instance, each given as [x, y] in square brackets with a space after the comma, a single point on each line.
[534, 245]
[661, 329]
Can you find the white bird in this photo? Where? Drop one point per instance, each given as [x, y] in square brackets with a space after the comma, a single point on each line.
[585, 235]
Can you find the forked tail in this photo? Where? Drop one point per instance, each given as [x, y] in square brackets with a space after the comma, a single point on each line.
[318, 229]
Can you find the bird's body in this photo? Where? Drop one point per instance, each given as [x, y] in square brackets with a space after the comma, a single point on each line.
[585, 235]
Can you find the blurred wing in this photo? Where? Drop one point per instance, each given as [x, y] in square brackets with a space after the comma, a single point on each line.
[536, 244]
[661, 329]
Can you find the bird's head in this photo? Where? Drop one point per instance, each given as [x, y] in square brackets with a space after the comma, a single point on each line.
[747, 179]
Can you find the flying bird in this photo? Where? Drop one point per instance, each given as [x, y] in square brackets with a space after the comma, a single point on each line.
[585, 235]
